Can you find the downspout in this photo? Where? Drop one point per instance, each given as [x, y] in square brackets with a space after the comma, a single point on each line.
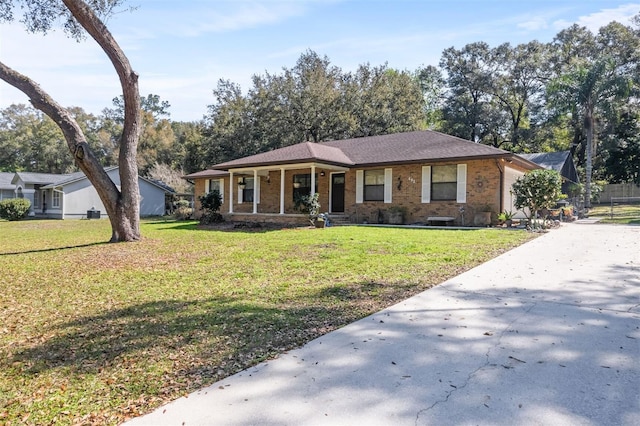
[231, 193]
[501, 168]
[282, 174]
[256, 182]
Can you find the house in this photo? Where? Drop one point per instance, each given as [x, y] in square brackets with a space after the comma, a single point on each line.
[7, 189]
[72, 196]
[429, 176]
[561, 162]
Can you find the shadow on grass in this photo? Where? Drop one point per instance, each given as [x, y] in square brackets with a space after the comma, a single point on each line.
[198, 328]
[44, 250]
[245, 227]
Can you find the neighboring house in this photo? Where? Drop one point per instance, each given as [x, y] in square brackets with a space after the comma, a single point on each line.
[561, 162]
[428, 175]
[71, 196]
[7, 189]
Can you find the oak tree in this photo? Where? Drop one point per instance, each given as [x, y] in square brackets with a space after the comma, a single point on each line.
[78, 19]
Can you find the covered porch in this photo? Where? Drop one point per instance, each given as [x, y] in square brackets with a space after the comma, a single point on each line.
[268, 193]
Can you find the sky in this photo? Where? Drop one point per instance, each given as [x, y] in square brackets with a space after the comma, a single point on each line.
[182, 48]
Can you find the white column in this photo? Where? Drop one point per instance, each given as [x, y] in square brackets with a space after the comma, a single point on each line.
[282, 191]
[313, 180]
[231, 182]
[255, 191]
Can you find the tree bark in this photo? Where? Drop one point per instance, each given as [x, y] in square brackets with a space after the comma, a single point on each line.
[588, 169]
[123, 206]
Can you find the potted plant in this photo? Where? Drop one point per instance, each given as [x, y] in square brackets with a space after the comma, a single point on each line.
[506, 217]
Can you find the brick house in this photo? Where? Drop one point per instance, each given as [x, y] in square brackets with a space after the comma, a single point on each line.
[425, 174]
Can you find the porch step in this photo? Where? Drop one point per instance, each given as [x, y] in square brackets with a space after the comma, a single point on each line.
[339, 220]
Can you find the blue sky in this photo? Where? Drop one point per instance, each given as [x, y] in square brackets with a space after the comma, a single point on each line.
[182, 48]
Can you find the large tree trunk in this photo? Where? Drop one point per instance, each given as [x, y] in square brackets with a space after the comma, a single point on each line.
[588, 169]
[123, 206]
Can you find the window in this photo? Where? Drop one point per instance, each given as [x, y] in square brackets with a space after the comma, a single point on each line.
[302, 185]
[444, 182]
[36, 199]
[247, 192]
[215, 185]
[374, 185]
[56, 199]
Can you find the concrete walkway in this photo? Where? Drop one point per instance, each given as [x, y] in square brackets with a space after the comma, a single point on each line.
[546, 334]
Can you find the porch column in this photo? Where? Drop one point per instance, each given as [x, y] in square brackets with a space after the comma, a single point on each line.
[281, 191]
[255, 191]
[230, 192]
[313, 180]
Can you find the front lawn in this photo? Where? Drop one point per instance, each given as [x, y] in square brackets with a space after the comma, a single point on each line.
[622, 214]
[94, 333]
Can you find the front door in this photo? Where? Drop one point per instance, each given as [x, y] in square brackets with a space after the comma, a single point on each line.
[337, 193]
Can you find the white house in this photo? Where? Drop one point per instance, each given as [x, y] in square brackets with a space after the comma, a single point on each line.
[72, 196]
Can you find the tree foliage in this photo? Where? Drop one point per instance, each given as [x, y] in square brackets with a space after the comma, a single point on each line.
[313, 101]
[537, 190]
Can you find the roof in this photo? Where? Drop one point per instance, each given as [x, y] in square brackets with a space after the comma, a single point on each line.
[160, 184]
[5, 180]
[38, 178]
[73, 177]
[412, 147]
[302, 152]
[206, 174]
[548, 160]
[395, 148]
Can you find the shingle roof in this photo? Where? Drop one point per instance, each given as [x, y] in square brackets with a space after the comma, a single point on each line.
[302, 152]
[5, 180]
[206, 174]
[39, 178]
[412, 147]
[387, 149]
[160, 184]
[548, 160]
[72, 177]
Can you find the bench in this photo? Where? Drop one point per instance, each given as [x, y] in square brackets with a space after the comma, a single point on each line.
[446, 220]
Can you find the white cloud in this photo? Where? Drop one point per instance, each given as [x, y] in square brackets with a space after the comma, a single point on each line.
[236, 16]
[534, 24]
[597, 20]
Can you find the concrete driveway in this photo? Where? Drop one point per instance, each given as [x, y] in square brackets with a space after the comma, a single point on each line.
[546, 334]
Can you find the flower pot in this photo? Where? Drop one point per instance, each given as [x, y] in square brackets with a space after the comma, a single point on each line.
[319, 223]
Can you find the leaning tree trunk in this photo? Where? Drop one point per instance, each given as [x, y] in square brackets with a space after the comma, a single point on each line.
[123, 206]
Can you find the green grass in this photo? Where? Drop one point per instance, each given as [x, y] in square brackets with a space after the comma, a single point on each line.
[94, 333]
[623, 214]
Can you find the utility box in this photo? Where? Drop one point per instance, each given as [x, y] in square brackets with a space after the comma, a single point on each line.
[93, 214]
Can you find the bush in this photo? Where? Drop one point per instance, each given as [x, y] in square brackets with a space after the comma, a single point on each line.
[537, 190]
[211, 204]
[183, 213]
[14, 208]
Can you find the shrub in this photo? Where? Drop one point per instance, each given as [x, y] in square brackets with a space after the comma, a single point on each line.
[308, 204]
[14, 208]
[537, 190]
[183, 213]
[211, 204]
